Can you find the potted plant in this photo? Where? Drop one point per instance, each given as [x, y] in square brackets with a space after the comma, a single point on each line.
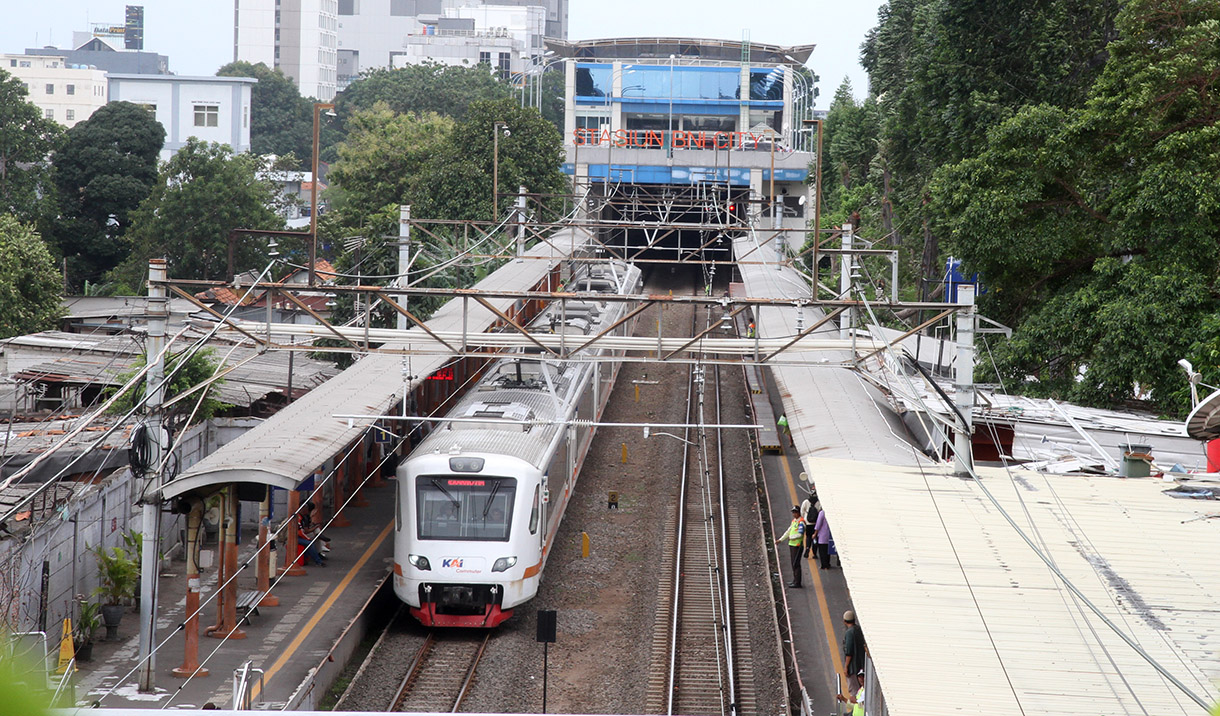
[87, 622]
[120, 575]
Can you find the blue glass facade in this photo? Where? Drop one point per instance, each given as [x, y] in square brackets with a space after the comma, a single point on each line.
[652, 84]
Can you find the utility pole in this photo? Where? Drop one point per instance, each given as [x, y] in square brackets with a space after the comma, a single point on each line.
[848, 318]
[158, 316]
[963, 458]
[520, 221]
[404, 258]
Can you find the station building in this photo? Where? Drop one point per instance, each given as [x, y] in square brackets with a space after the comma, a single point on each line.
[689, 131]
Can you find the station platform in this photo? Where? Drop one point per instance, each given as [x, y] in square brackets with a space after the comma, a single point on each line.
[815, 611]
[291, 642]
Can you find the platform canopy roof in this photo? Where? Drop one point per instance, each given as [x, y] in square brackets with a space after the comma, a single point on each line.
[684, 48]
[289, 446]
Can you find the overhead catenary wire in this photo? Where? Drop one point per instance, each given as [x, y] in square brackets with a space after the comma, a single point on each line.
[137, 405]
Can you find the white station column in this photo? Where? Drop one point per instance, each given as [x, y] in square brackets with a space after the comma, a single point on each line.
[963, 457]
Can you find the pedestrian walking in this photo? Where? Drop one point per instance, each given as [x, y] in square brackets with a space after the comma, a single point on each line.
[853, 646]
[821, 530]
[795, 534]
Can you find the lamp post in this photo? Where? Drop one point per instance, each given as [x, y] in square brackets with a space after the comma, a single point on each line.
[495, 166]
[313, 191]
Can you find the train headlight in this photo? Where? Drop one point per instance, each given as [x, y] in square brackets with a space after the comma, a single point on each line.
[420, 562]
[504, 564]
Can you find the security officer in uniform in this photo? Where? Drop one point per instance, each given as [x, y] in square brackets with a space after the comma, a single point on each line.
[795, 534]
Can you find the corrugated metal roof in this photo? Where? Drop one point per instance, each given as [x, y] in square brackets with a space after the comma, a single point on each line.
[863, 426]
[997, 633]
[288, 446]
[102, 359]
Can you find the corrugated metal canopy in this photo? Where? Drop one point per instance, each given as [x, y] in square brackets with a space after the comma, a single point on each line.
[287, 447]
[864, 427]
[962, 616]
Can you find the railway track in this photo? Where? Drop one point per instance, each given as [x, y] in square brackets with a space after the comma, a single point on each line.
[701, 657]
[440, 676]
[436, 680]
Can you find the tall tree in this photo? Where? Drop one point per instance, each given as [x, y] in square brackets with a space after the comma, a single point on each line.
[444, 89]
[202, 193]
[384, 156]
[105, 167]
[26, 141]
[946, 71]
[281, 121]
[29, 285]
[1097, 225]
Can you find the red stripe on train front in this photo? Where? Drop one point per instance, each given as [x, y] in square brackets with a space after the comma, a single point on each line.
[494, 616]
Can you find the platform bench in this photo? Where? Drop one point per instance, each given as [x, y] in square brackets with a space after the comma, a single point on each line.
[247, 604]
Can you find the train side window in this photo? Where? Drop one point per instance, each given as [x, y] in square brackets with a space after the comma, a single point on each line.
[397, 506]
[534, 512]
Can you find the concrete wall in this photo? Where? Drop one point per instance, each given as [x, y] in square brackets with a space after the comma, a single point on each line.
[175, 99]
[98, 516]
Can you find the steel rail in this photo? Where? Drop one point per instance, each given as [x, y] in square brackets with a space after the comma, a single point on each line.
[412, 672]
[474, 665]
[726, 588]
[678, 547]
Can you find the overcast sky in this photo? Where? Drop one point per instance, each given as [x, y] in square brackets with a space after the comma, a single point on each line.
[198, 36]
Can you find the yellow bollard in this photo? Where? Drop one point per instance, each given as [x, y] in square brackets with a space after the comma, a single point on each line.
[624, 453]
[584, 545]
[637, 392]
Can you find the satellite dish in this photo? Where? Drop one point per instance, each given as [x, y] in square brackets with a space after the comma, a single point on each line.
[1203, 423]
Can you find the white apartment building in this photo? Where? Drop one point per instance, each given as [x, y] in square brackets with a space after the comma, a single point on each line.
[503, 37]
[214, 109]
[66, 93]
[325, 44]
[298, 36]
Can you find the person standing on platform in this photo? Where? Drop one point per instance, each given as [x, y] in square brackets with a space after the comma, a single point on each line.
[795, 534]
[853, 646]
[809, 513]
[821, 530]
[783, 428]
[857, 699]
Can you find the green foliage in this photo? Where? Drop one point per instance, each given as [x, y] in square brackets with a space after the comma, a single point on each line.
[105, 167]
[88, 620]
[203, 192]
[29, 285]
[119, 574]
[22, 682]
[281, 121]
[1097, 225]
[444, 89]
[184, 375]
[383, 159]
[26, 140]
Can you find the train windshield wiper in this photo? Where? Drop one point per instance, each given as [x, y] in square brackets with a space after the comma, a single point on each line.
[487, 507]
[439, 486]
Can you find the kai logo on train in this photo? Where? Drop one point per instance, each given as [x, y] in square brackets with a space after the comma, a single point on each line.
[452, 563]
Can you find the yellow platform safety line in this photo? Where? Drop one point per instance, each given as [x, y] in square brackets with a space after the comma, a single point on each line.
[823, 607]
[321, 612]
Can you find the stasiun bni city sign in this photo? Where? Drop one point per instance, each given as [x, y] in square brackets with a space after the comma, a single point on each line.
[655, 139]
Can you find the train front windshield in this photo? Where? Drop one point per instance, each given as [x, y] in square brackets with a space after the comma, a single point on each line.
[466, 508]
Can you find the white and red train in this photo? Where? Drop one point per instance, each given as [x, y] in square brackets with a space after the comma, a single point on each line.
[480, 499]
